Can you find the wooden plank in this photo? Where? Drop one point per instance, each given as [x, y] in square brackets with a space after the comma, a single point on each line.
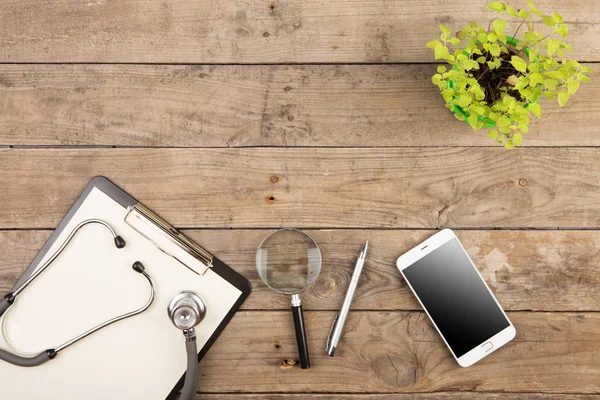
[267, 187]
[401, 352]
[252, 31]
[408, 396]
[20, 247]
[526, 269]
[228, 106]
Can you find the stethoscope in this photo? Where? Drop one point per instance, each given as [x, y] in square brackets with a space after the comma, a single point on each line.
[186, 310]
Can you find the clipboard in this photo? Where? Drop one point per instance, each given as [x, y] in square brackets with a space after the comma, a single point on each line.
[164, 251]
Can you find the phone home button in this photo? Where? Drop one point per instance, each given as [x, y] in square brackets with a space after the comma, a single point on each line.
[487, 346]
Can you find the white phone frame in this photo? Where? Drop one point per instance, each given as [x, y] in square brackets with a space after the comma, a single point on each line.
[489, 345]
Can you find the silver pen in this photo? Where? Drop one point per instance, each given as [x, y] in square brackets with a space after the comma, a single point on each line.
[338, 322]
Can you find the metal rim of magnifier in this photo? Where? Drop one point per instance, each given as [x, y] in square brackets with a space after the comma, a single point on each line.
[313, 279]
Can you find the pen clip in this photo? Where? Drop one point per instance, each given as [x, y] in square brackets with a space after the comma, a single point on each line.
[333, 324]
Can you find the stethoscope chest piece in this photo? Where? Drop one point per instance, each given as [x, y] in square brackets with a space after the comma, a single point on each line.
[186, 310]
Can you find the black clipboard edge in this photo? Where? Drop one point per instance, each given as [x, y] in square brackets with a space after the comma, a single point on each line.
[126, 200]
[101, 183]
[240, 283]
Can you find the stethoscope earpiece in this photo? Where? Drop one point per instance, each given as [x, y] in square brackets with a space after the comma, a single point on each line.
[119, 242]
[186, 310]
[50, 354]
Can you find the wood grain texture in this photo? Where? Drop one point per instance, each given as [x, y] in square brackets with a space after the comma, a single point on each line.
[20, 247]
[267, 187]
[229, 106]
[401, 352]
[253, 31]
[525, 269]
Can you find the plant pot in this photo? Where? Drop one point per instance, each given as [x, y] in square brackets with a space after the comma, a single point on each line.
[487, 122]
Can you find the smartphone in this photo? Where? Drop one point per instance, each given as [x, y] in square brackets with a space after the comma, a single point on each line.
[456, 298]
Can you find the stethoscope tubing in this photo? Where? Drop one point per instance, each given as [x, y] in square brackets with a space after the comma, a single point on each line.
[54, 256]
[8, 300]
[116, 319]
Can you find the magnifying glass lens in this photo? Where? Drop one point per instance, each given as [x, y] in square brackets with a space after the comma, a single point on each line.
[288, 261]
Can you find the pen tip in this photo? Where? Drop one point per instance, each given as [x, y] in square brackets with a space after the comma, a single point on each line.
[365, 247]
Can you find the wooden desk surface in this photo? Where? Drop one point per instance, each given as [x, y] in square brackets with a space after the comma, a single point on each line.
[233, 118]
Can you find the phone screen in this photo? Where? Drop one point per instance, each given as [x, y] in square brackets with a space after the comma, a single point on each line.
[456, 297]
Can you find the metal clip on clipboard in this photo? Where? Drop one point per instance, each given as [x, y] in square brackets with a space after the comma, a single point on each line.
[168, 239]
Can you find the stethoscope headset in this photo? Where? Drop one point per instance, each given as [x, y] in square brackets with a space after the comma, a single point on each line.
[186, 310]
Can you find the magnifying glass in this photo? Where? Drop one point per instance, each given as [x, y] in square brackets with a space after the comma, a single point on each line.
[289, 261]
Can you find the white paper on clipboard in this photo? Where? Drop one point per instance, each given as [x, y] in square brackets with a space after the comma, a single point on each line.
[138, 358]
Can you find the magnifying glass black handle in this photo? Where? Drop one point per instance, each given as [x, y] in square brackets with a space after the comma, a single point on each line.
[301, 336]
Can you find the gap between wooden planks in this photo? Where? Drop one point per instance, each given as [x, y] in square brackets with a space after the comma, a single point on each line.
[255, 31]
[409, 396]
[318, 188]
[527, 270]
[231, 106]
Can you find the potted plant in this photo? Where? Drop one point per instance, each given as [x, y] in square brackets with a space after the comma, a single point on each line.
[495, 81]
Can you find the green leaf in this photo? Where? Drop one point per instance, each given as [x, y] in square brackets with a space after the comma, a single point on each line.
[493, 134]
[460, 117]
[432, 44]
[523, 128]
[557, 17]
[447, 94]
[572, 87]
[481, 60]
[492, 37]
[549, 20]
[495, 50]
[498, 26]
[509, 144]
[472, 120]
[562, 30]
[440, 51]
[477, 110]
[554, 74]
[536, 109]
[549, 95]
[535, 79]
[455, 41]
[517, 138]
[533, 67]
[553, 46]
[563, 98]
[446, 33]
[533, 7]
[496, 6]
[465, 100]
[503, 121]
[441, 69]
[587, 69]
[523, 13]
[482, 37]
[519, 64]
[583, 78]
[511, 11]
